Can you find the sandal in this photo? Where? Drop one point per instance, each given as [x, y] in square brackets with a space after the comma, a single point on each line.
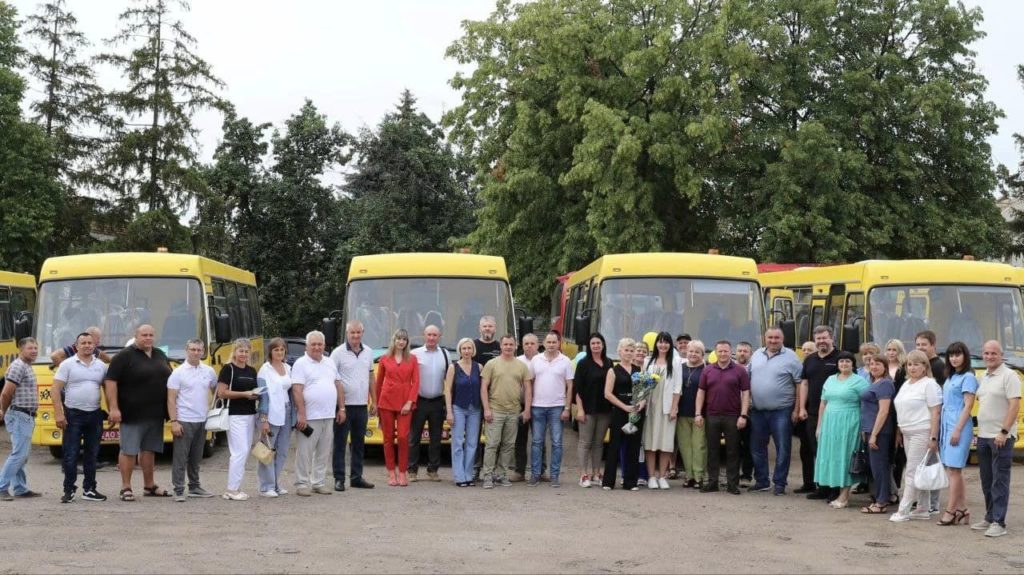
[954, 516]
[874, 509]
[126, 494]
[155, 491]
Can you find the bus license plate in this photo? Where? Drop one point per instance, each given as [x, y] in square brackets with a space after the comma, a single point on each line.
[110, 435]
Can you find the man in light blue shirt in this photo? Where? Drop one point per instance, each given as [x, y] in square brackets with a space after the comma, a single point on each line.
[433, 361]
[76, 410]
[774, 377]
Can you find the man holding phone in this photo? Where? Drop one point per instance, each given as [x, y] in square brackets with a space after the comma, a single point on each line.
[320, 402]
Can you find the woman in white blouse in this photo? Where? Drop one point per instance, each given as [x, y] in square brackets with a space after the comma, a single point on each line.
[918, 412]
[275, 416]
[662, 409]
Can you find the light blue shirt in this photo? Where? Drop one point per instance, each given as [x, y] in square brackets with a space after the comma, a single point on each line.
[773, 380]
[82, 382]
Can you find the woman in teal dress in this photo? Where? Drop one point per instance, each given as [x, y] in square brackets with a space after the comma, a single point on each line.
[839, 430]
[957, 429]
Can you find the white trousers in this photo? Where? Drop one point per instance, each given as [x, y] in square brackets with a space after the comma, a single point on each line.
[241, 432]
[915, 443]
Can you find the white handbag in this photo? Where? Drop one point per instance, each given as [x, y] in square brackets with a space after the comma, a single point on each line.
[930, 474]
[217, 418]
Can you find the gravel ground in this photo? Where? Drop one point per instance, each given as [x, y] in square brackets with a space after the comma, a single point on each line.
[437, 528]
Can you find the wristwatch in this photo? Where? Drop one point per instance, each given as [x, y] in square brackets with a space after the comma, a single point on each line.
[1004, 432]
[744, 416]
[933, 438]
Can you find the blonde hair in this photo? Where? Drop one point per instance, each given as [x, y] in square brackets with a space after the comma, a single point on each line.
[625, 342]
[919, 357]
[870, 347]
[698, 344]
[238, 345]
[901, 352]
[465, 340]
[399, 334]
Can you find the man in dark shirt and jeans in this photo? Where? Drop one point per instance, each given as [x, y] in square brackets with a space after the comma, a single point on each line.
[136, 388]
[925, 341]
[818, 367]
[725, 385]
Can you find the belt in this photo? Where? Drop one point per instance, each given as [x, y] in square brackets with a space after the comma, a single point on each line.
[31, 412]
[421, 398]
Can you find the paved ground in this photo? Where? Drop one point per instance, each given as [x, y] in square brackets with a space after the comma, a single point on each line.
[437, 528]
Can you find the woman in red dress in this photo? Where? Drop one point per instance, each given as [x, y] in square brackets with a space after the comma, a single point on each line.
[397, 387]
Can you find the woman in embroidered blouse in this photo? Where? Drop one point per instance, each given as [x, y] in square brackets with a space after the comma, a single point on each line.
[397, 386]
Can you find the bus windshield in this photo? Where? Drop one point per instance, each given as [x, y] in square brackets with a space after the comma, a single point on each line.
[173, 306]
[972, 314]
[455, 305]
[707, 309]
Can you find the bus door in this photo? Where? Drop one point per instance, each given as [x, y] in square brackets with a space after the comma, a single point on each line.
[835, 304]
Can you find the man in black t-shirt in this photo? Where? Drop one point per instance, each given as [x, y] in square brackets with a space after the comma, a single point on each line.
[136, 389]
[818, 367]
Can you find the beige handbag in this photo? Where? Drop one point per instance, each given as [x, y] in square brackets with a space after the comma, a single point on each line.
[263, 453]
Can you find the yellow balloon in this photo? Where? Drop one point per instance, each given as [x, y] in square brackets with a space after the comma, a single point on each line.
[649, 338]
[713, 357]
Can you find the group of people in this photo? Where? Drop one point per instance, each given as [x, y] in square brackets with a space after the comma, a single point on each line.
[898, 407]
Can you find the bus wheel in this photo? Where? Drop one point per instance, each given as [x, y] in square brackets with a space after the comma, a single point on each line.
[57, 451]
[209, 446]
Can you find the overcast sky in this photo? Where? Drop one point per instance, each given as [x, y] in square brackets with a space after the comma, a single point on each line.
[354, 57]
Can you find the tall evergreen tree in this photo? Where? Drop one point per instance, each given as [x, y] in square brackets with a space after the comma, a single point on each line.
[29, 193]
[152, 159]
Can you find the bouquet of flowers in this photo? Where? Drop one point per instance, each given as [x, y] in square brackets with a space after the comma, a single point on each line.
[643, 385]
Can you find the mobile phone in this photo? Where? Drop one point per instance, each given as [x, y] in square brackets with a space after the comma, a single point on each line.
[308, 431]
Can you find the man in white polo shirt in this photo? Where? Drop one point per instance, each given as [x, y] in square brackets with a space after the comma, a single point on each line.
[319, 401]
[78, 381]
[354, 362]
[998, 407]
[430, 410]
[551, 373]
[188, 398]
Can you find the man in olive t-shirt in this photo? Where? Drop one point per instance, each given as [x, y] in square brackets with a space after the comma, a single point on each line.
[503, 383]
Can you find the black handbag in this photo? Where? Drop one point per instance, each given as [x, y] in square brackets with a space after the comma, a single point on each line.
[860, 464]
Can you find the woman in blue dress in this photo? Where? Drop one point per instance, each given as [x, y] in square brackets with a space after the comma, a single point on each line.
[839, 430]
[957, 429]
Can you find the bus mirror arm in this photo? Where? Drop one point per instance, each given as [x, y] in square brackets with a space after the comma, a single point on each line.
[22, 325]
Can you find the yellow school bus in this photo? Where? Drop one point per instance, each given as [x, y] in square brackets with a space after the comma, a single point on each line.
[17, 300]
[708, 296]
[959, 300]
[182, 296]
[413, 290]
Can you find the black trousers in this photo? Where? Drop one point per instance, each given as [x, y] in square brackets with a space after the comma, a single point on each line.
[429, 412]
[746, 456]
[631, 465]
[808, 447]
[715, 427]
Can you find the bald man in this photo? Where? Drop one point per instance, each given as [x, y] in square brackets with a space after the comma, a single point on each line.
[998, 407]
[136, 391]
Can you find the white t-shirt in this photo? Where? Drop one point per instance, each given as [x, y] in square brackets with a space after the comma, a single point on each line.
[277, 391]
[433, 367]
[82, 383]
[549, 379]
[994, 391]
[913, 403]
[193, 384]
[354, 371]
[318, 386]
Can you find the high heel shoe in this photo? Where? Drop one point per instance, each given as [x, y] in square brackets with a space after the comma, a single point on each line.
[392, 480]
[954, 517]
[403, 480]
[963, 517]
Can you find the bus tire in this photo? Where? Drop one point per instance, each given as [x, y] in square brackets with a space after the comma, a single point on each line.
[57, 451]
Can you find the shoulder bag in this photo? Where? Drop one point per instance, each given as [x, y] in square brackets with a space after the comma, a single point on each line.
[217, 418]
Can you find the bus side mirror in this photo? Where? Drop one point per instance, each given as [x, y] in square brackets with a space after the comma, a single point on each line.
[582, 327]
[851, 338]
[525, 326]
[788, 327]
[221, 327]
[329, 325]
[22, 325]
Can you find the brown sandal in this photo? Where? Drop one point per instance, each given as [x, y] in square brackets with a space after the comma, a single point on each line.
[874, 509]
[126, 494]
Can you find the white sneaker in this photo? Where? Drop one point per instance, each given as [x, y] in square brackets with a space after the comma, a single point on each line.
[235, 496]
[981, 526]
[282, 492]
[663, 483]
[584, 480]
[652, 483]
[995, 530]
[920, 515]
[270, 493]
[899, 517]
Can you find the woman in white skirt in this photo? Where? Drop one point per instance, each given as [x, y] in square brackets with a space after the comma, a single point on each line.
[662, 409]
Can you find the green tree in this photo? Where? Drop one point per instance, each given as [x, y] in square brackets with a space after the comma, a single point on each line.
[151, 159]
[29, 194]
[293, 225]
[1012, 187]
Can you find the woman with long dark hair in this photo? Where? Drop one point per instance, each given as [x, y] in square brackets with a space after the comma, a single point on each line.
[957, 429]
[593, 412]
[662, 409]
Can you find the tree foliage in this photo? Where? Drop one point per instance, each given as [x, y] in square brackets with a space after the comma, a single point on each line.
[152, 157]
[788, 130]
[29, 194]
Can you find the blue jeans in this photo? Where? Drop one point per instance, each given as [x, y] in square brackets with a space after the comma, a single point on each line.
[545, 418]
[12, 475]
[994, 466]
[776, 425]
[356, 417]
[280, 439]
[881, 468]
[87, 426]
[465, 440]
